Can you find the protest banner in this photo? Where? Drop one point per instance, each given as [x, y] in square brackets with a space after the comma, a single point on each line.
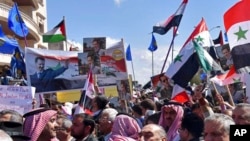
[18, 98]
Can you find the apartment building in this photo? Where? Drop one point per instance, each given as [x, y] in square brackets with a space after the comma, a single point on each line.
[34, 13]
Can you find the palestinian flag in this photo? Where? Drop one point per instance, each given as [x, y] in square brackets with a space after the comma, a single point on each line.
[229, 77]
[237, 24]
[172, 21]
[57, 34]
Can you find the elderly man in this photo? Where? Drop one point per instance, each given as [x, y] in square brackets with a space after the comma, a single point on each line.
[40, 124]
[152, 132]
[64, 129]
[217, 127]
[241, 114]
[106, 121]
[12, 123]
[83, 127]
[11, 115]
[170, 119]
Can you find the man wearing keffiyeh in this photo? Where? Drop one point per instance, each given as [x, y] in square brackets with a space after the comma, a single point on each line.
[40, 124]
[170, 119]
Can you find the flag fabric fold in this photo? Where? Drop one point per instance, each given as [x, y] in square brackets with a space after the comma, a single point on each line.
[89, 86]
[207, 62]
[57, 34]
[237, 25]
[128, 54]
[7, 45]
[184, 66]
[179, 94]
[229, 77]
[88, 93]
[153, 44]
[16, 23]
[219, 39]
[186, 63]
[174, 20]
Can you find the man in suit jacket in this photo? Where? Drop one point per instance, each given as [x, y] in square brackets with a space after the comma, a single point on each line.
[43, 79]
[95, 69]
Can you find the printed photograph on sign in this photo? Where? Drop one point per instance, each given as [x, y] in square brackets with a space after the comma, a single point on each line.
[113, 66]
[162, 86]
[225, 58]
[53, 70]
[95, 47]
[83, 65]
[123, 90]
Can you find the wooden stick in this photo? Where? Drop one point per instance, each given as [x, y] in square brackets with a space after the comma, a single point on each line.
[230, 96]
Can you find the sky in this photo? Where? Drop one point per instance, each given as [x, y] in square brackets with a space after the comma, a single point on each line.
[132, 21]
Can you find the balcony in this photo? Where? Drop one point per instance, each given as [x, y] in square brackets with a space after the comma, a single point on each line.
[33, 27]
[33, 3]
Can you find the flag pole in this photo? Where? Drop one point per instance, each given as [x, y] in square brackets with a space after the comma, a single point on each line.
[152, 63]
[66, 41]
[170, 46]
[174, 34]
[133, 69]
[20, 19]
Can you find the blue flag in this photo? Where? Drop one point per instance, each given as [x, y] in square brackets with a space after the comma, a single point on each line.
[17, 64]
[7, 45]
[128, 54]
[225, 37]
[16, 23]
[153, 45]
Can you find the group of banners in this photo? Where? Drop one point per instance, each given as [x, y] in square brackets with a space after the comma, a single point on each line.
[56, 70]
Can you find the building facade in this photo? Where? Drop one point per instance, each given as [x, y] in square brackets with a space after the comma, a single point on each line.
[34, 13]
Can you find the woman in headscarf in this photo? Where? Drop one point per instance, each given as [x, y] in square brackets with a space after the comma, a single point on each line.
[170, 119]
[40, 124]
[125, 128]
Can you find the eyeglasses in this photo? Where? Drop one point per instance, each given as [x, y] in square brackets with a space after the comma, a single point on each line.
[60, 129]
[102, 119]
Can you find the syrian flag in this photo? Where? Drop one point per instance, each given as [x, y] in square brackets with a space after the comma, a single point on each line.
[89, 86]
[179, 94]
[57, 34]
[229, 77]
[207, 62]
[219, 40]
[186, 63]
[237, 24]
[88, 93]
[174, 20]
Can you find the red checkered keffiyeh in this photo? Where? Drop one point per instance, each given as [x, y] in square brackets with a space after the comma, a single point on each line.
[34, 124]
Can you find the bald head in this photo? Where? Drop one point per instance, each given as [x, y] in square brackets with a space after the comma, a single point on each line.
[153, 132]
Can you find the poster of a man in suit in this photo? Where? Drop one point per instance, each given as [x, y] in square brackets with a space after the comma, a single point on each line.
[53, 70]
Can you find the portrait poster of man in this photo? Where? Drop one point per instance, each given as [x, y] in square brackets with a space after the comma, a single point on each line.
[96, 47]
[53, 70]
[113, 65]
[223, 56]
[123, 89]
[83, 63]
[162, 86]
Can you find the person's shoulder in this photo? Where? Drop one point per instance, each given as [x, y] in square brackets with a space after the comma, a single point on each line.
[91, 138]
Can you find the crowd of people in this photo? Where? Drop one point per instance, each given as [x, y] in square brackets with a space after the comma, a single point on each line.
[200, 118]
[140, 116]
